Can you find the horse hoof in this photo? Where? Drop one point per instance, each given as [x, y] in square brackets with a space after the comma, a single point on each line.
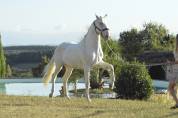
[50, 95]
[112, 86]
[89, 100]
[68, 97]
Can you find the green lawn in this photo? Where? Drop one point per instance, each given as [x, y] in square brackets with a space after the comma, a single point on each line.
[94, 91]
[44, 107]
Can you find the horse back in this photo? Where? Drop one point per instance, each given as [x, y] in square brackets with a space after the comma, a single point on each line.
[69, 54]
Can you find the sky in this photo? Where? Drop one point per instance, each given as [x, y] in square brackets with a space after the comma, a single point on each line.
[51, 22]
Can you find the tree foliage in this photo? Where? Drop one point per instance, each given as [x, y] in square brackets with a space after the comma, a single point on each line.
[37, 71]
[157, 37]
[132, 44]
[2, 61]
[152, 37]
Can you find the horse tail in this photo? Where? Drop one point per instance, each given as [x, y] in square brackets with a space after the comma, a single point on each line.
[48, 71]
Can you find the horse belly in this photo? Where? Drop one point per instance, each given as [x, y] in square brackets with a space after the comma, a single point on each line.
[71, 57]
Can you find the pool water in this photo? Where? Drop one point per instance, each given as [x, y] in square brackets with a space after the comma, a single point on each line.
[34, 87]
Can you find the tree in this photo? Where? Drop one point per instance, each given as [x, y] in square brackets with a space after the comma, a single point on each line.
[157, 37]
[152, 37]
[2, 61]
[111, 49]
[44, 60]
[37, 71]
[132, 44]
[8, 71]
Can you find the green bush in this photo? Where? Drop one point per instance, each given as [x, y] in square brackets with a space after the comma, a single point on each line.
[133, 82]
[94, 79]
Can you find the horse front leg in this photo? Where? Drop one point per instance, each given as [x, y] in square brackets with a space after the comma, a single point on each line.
[53, 86]
[87, 82]
[110, 69]
[112, 75]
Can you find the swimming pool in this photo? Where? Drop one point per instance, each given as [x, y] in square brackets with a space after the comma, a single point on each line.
[34, 87]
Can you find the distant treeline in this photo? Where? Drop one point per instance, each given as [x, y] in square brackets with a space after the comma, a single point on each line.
[27, 54]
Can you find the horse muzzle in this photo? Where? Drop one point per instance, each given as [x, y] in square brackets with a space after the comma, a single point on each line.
[105, 35]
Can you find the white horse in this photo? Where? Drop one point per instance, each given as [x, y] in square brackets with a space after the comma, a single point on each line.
[87, 54]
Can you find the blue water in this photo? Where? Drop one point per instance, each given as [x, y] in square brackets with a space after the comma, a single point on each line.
[160, 87]
[31, 87]
[34, 87]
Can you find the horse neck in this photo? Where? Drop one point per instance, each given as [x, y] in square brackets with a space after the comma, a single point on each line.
[92, 39]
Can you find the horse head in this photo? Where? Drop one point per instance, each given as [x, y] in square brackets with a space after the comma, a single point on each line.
[101, 28]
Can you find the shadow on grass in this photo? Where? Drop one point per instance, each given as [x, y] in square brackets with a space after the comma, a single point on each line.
[98, 112]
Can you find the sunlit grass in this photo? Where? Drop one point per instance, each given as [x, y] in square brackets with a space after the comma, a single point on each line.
[43, 107]
[162, 98]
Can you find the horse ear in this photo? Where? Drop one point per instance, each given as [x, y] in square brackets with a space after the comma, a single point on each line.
[97, 17]
[105, 16]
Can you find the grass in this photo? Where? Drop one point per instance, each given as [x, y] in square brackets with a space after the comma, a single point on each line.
[43, 107]
[94, 91]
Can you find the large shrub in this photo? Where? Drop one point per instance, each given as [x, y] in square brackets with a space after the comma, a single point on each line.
[133, 82]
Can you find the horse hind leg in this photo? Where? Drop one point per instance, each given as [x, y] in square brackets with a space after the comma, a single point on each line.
[87, 81]
[54, 76]
[65, 78]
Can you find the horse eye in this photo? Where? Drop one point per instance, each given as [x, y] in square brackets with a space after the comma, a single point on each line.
[101, 23]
